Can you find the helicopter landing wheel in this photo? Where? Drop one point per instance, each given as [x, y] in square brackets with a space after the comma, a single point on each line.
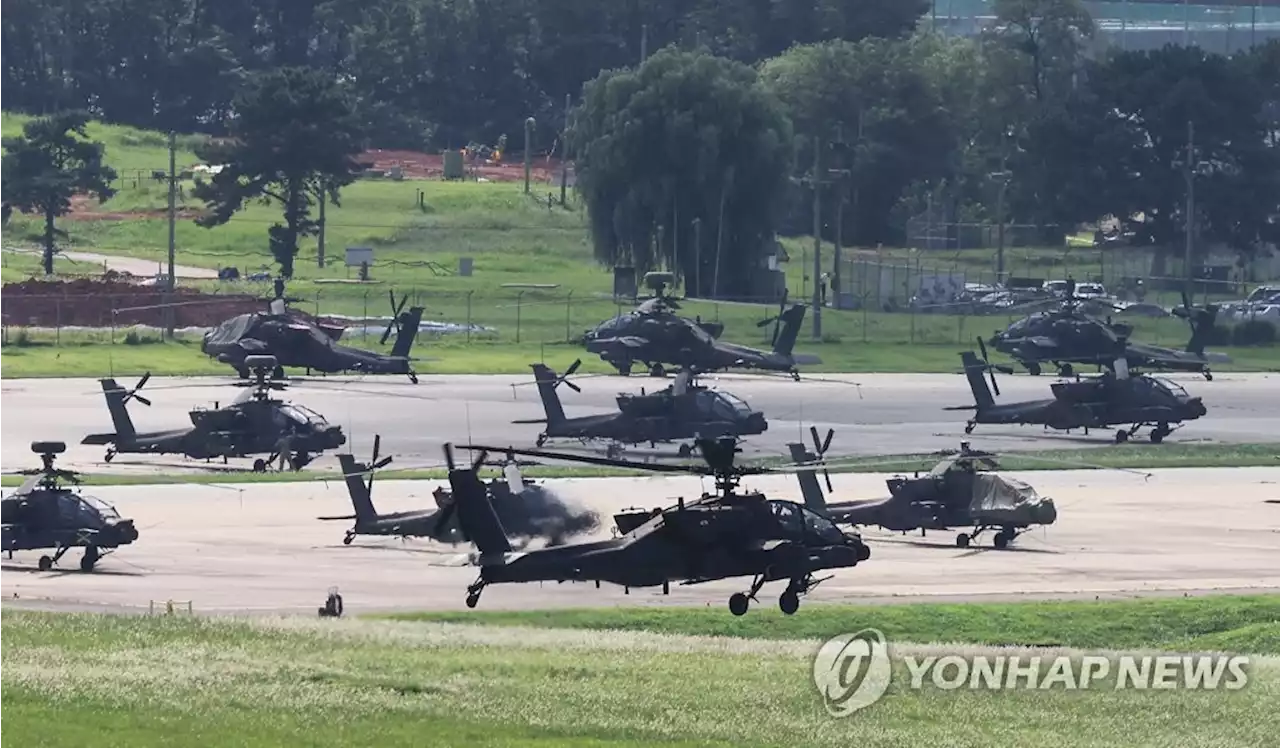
[1208, 376]
[738, 603]
[1160, 432]
[1122, 436]
[45, 563]
[346, 539]
[90, 558]
[110, 453]
[413, 378]
[624, 368]
[542, 439]
[962, 541]
[1066, 370]
[968, 428]
[789, 603]
[613, 451]
[473, 599]
[1033, 369]
[259, 465]
[685, 451]
[1001, 540]
[657, 371]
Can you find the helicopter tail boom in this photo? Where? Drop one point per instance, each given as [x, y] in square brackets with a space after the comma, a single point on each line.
[973, 369]
[546, 379]
[115, 395]
[791, 321]
[476, 516]
[361, 496]
[409, 322]
[809, 486]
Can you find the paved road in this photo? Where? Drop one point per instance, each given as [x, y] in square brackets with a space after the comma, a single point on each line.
[261, 549]
[871, 413]
[131, 265]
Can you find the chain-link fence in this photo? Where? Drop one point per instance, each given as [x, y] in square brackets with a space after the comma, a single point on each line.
[883, 304]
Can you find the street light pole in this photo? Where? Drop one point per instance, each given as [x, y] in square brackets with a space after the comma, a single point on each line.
[1189, 222]
[817, 238]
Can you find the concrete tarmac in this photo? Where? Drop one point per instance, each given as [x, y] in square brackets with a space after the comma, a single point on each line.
[260, 548]
[871, 413]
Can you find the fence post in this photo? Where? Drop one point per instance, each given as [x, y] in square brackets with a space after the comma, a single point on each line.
[519, 303]
[364, 316]
[111, 300]
[469, 315]
[568, 312]
[57, 322]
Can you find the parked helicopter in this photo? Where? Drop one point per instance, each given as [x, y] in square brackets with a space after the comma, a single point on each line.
[1114, 398]
[1067, 335]
[656, 340]
[956, 493]
[254, 423]
[730, 533]
[682, 411]
[298, 342]
[45, 514]
[527, 513]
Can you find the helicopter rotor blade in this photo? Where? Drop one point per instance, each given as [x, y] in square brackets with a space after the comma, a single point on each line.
[476, 463]
[826, 444]
[142, 399]
[142, 382]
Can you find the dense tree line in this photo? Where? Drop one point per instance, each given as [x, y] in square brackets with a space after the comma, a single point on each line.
[698, 157]
[437, 72]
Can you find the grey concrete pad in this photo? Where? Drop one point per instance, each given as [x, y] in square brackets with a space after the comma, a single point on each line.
[872, 413]
[260, 548]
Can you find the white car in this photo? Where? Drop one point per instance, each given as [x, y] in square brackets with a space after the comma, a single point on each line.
[1090, 291]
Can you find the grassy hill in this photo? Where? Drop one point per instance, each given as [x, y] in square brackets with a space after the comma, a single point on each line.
[534, 281]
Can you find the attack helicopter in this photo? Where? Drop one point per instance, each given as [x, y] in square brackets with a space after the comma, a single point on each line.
[254, 423]
[1067, 335]
[526, 509]
[682, 411]
[301, 343]
[651, 318]
[730, 533]
[1114, 398]
[656, 340]
[45, 514]
[956, 493]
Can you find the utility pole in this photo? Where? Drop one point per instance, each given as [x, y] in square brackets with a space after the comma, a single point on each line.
[528, 139]
[644, 42]
[1189, 173]
[817, 238]
[324, 198]
[697, 257]
[173, 222]
[564, 154]
[1002, 177]
[173, 203]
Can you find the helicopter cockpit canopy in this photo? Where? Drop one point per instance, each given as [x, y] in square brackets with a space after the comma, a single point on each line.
[302, 416]
[1159, 387]
[85, 510]
[730, 406]
[799, 521]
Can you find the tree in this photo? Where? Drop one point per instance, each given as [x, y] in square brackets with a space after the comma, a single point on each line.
[294, 142]
[684, 137]
[48, 165]
[875, 95]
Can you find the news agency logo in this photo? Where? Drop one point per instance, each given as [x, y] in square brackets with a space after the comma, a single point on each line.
[853, 671]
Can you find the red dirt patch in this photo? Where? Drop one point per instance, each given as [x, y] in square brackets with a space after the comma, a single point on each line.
[86, 208]
[417, 165]
[89, 302]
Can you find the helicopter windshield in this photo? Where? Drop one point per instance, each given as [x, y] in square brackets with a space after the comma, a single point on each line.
[798, 521]
[84, 510]
[614, 327]
[301, 415]
[1025, 325]
[1174, 388]
[733, 403]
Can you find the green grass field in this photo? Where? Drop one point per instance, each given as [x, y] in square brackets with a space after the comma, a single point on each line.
[514, 240]
[72, 680]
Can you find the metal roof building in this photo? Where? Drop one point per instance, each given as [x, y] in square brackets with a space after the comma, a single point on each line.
[1222, 26]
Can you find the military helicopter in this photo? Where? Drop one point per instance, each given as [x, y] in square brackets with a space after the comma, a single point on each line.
[957, 492]
[651, 316]
[1114, 398]
[44, 514]
[658, 339]
[528, 513]
[730, 533]
[254, 423]
[299, 342]
[682, 411]
[1067, 335]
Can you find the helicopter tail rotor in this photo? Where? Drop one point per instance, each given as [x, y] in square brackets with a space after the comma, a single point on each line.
[776, 319]
[394, 324]
[820, 448]
[133, 393]
[991, 368]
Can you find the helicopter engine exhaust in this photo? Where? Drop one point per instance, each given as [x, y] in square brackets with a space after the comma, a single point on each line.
[539, 514]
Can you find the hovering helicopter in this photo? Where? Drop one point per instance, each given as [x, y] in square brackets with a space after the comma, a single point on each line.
[682, 411]
[658, 339]
[44, 514]
[529, 512]
[254, 423]
[1067, 335]
[1114, 398]
[956, 493]
[730, 533]
[298, 342]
